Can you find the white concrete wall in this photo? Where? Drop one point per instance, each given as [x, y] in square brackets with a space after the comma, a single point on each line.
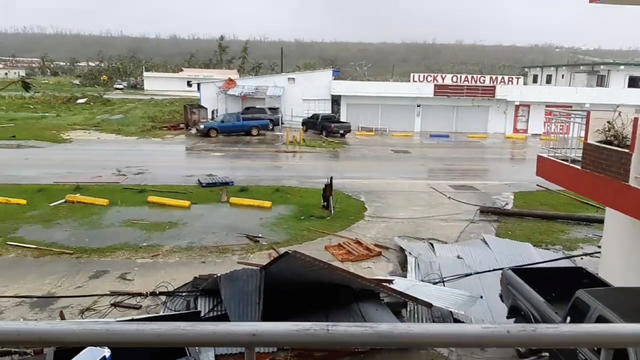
[152, 83]
[569, 95]
[11, 73]
[298, 87]
[620, 249]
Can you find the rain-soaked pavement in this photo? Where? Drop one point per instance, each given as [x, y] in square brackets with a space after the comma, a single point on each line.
[251, 161]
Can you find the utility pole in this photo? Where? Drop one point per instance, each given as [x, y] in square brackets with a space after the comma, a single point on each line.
[281, 59]
[393, 71]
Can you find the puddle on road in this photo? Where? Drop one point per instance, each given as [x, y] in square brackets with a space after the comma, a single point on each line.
[211, 224]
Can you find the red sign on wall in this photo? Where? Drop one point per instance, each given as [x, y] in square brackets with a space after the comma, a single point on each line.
[464, 91]
[555, 125]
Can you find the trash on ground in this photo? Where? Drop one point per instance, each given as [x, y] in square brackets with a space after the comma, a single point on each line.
[214, 181]
[126, 305]
[327, 195]
[223, 196]
[254, 238]
[58, 202]
[99, 179]
[110, 117]
[353, 250]
[81, 199]
[250, 202]
[139, 222]
[35, 247]
[12, 201]
[126, 276]
[6, 125]
[168, 202]
[82, 101]
[173, 127]
[94, 353]
[440, 264]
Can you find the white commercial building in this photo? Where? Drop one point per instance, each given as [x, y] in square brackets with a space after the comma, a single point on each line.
[297, 94]
[431, 102]
[12, 73]
[184, 82]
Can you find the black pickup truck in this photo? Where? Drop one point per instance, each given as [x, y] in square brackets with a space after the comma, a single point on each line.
[326, 124]
[568, 295]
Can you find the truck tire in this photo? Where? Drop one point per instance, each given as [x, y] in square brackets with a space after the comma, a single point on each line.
[271, 125]
[254, 131]
[305, 128]
[212, 133]
[325, 133]
[343, 135]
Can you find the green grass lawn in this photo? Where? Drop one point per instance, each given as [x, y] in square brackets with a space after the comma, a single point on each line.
[546, 233]
[324, 144]
[46, 117]
[295, 225]
[61, 85]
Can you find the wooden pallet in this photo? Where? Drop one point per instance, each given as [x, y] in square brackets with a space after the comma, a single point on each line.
[353, 250]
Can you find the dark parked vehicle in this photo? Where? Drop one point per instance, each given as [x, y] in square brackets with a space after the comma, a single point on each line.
[232, 123]
[568, 295]
[272, 114]
[326, 124]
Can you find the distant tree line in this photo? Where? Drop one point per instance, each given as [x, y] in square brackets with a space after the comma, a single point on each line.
[123, 57]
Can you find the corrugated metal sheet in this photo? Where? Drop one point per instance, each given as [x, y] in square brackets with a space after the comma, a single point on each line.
[242, 292]
[447, 298]
[433, 261]
[275, 91]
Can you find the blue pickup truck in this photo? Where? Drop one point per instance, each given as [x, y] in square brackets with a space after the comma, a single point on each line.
[233, 123]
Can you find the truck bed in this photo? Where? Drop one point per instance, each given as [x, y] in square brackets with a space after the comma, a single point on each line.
[557, 285]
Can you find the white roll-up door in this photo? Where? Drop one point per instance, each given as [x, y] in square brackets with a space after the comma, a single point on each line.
[398, 117]
[250, 101]
[437, 118]
[316, 106]
[363, 115]
[472, 119]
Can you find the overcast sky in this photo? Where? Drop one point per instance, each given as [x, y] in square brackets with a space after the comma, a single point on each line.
[565, 22]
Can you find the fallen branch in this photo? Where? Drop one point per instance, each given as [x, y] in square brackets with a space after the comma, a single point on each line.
[35, 247]
[248, 263]
[126, 305]
[547, 215]
[573, 197]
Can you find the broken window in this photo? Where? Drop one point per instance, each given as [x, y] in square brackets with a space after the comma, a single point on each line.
[634, 82]
[548, 79]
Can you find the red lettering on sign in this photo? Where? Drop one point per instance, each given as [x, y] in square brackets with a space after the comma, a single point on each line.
[502, 81]
[443, 78]
[454, 79]
[493, 80]
[510, 80]
[482, 80]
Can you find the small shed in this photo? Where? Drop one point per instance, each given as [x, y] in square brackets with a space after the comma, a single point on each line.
[194, 114]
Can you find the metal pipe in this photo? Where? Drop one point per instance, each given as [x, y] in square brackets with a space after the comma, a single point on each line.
[316, 335]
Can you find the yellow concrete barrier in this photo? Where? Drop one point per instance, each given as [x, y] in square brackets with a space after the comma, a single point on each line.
[365, 133]
[168, 202]
[516, 137]
[250, 202]
[86, 200]
[548, 138]
[477, 136]
[12, 201]
[402, 134]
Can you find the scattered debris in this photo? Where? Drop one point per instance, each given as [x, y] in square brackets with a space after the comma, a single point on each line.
[168, 202]
[381, 246]
[80, 199]
[253, 238]
[173, 127]
[110, 117]
[35, 247]
[99, 179]
[276, 250]
[139, 222]
[327, 195]
[248, 263]
[155, 254]
[126, 276]
[223, 196]
[82, 101]
[353, 250]
[250, 202]
[548, 215]
[58, 202]
[12, 201]
[126, 305]
[214, 181]
[6, 125]
[61, 315]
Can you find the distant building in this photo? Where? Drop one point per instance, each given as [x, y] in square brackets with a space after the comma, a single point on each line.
[12, 73]
[611, 74]
[185, 82]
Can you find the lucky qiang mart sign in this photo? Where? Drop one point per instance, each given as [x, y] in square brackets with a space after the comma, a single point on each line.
[466, 79]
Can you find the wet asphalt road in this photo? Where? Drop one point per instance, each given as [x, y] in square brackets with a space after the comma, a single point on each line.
[365, 160]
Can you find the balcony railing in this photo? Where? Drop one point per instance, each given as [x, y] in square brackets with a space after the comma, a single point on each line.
[564, 132]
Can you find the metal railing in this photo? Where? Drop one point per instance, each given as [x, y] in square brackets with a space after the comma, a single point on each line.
[316, 335]
[564, 132]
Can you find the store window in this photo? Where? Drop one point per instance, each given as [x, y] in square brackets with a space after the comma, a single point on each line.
[634, 82]
[601, 81]
[535, 79]
[548, 79]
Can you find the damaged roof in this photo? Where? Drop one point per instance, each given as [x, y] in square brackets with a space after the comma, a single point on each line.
[431, 261]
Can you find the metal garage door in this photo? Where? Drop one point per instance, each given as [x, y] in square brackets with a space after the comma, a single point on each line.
[398, 117]
[472, 119]
[363, 115]
[437, 118]
[316, 106]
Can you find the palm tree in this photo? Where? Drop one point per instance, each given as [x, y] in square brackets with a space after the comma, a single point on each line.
[23, 83]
